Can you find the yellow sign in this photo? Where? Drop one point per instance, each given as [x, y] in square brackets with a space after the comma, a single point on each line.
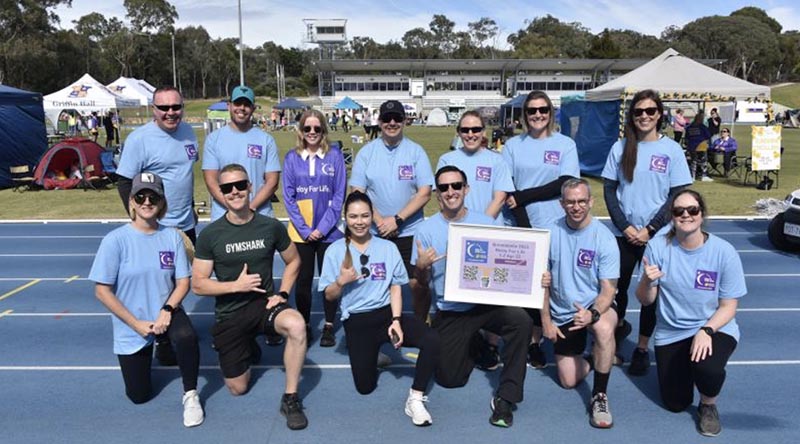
[766, 148]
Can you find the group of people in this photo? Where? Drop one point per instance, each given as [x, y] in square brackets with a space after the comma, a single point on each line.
[689, 288]
[92, 123]
[704, 139]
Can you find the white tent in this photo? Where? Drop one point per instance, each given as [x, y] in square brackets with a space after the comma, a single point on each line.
[672, 73]
[437, 117]
[131, 88]
[84, 95]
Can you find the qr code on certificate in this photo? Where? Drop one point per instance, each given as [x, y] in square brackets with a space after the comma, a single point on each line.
[500, 275]
[470, 273]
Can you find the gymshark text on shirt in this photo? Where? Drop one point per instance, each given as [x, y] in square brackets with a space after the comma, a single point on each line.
[238, 247]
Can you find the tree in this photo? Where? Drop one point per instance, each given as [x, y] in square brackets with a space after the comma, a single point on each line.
[151, 15]
[484, 34]
[604, 47]
[634, 45]
[760, 15]
[442, 32]
[419, 44]
[549, 37]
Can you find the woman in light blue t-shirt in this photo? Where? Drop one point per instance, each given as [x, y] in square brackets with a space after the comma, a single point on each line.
[141, 274]
[698, 279]
[372, 304]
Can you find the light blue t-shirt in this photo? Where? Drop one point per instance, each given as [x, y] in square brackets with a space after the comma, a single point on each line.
[366, 294]
[537, 162]
[255, 150]
[579, 259]
[660, 165]
[486, 172]
[391, 176]
[141, 269]
[172, 157]
[433, 233]
[694, 281]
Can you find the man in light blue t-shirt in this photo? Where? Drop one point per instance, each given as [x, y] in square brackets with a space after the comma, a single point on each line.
[584, 266]
[396, 175]
[242, 143]
[167, 147]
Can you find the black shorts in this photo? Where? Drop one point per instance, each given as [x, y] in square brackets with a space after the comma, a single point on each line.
[574, 342]
[404, 246]
[233, 337]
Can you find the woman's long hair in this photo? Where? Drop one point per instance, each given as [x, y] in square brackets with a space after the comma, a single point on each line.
[323, 141]
[629, 153]
[353, 197]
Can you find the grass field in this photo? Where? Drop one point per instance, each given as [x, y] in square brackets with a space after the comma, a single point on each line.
[725, 196]
[788, 95]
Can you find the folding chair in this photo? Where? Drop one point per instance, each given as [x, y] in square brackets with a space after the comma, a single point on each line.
[92, 181]
[22, 178]
[756, 175]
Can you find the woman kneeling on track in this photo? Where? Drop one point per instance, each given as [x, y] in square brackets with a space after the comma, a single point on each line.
[697, 278]
[372, 304]
[141, 274]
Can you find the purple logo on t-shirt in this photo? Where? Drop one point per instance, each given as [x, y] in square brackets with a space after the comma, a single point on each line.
[328, 169]
[191, 151]
[254, 151]
[552, 157]
[585, 258]
[167, 260]
[484, 174]
[705, 280]
[377, 271]
[405, 172]
[659, 164]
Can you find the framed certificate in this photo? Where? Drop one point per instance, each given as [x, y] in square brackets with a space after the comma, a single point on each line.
[496, 265]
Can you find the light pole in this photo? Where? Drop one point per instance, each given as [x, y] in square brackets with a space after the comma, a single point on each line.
[174, 70]
[241, 48]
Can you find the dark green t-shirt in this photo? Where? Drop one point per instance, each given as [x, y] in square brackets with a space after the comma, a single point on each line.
[231, 246]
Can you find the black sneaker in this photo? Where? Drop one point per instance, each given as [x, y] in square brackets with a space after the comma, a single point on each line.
[640, 362]
[536, 358]
[275, 340]
[328, 339]
[502, 415]
[164, 353]
[488, 358]
[255, 352]
[292, 409]
[622, 332]
[708, 420]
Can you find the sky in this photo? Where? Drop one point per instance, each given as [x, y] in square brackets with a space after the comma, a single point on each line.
[385, 20]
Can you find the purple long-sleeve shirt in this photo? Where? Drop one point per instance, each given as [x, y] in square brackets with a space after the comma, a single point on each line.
[320, 191]
[725, 146]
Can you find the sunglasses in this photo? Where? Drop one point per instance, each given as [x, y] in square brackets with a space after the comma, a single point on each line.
[317, 129]
[543, 110]
[725, 131]
[364, 259]
[650, 111]
[443, 187]
[470, 129]
[165, 108]
[227, 188]
[693, 210]
[392, 117]
[140, 198]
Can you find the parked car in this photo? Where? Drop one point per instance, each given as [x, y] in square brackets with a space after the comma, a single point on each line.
[784, 228]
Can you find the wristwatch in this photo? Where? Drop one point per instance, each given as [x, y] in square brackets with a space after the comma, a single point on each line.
[651, 231]
[398, 220]
[168, 308]
[284, 295]
[709, 331]
[595, 315]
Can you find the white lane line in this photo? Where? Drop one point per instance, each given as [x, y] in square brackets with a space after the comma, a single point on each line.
[79, 368]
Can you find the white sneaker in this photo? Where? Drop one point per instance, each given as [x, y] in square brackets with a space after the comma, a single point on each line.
[192, 410]
[383, 360]
[415, 409]
[707, 179]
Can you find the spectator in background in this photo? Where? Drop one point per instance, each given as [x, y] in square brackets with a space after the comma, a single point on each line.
[726, 145]
[714, 122]
[697, 139]
[108, 123]
[678, 125]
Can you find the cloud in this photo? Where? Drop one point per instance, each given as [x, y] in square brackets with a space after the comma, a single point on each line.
[788, 17]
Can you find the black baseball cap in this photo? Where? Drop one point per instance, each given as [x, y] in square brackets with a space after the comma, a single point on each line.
[392, 108]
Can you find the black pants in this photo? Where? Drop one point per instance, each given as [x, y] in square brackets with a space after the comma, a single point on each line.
[136, 367]
[457, 331]
[678, 136]
[629, 257]
[366, 332]
[678, 375]
[302, 293]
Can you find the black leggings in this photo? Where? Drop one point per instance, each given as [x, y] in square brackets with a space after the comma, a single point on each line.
[629, 257]
[366, 332]
[678, 375]
[136, 367]
[302, 293]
